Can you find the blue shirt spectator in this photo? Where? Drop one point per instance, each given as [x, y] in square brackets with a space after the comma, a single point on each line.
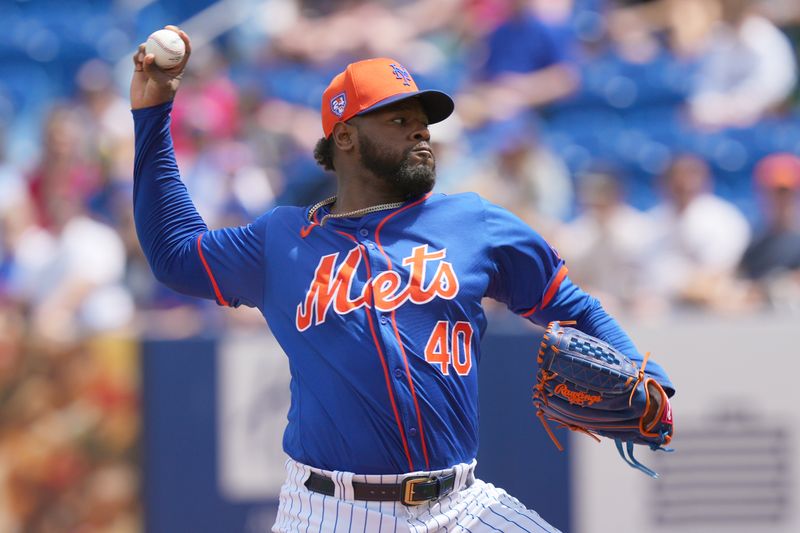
[520, 44]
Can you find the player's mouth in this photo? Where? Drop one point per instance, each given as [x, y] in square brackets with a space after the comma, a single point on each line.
[423, 151]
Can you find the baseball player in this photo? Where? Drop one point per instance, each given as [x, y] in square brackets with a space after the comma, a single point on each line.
[375, 296]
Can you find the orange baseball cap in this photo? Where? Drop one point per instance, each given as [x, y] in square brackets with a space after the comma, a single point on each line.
[779, 171]
[368, 85]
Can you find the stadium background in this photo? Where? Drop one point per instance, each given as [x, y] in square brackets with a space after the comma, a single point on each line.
[629, 133]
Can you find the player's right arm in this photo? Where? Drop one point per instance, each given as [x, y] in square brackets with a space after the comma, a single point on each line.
[226, 264]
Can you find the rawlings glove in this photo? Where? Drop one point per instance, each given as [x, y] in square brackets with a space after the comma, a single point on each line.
[586, 385]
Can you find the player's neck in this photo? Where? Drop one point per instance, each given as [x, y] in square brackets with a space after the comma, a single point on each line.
[362, 196]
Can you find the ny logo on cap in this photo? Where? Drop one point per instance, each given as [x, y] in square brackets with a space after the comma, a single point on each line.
[401, 74]
[338, 103]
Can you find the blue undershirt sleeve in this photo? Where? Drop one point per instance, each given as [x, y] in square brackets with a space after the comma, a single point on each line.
[225, 264]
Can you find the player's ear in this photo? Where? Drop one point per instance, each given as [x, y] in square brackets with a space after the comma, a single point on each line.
[344, 136]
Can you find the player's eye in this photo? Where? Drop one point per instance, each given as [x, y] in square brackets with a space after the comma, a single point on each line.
[399, 120]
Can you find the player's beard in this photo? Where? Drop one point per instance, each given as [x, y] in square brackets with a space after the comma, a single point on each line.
[409, 180]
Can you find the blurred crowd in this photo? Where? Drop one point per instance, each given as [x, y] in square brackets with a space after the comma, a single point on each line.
[69, 432]
[654, 143]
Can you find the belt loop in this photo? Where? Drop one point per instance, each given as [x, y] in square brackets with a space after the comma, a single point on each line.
[470, 474]
[464, 475]
[461, 477]
[343, 485]
[297, 468]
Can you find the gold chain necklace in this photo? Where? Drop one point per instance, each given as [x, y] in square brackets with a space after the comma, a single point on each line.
[357, 212]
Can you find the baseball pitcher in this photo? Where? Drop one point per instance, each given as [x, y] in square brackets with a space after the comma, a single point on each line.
[375, 296]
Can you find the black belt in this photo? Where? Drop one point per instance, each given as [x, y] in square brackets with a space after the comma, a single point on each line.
[414, 490]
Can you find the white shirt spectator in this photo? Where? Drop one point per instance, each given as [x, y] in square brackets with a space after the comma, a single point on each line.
[746, 70]
[707, 238]
[608, 257]
[74, 278]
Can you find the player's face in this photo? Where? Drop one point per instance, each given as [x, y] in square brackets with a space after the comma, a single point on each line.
[394, 145]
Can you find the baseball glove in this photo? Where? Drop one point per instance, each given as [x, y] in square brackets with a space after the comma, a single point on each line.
[586, 385]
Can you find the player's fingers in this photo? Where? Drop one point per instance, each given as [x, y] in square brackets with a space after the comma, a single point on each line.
[187, 42]
[150, 67]
[138, 58]
[158, 74]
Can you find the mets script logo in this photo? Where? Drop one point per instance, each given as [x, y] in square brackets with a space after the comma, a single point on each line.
[332, 285]
[401, 74]
[576, 397]
[338, 103]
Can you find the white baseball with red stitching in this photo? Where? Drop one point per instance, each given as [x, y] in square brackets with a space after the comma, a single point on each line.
[167, 47]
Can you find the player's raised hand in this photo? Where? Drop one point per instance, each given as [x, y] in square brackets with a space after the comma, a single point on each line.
[151, 85]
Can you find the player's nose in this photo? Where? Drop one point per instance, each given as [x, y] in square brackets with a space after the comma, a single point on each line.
[422, 133]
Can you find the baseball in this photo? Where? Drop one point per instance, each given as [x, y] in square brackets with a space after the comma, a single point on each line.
[167, 47]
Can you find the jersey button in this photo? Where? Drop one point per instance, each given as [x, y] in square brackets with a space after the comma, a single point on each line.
[398, 373]
[412, 432]
[363, 232]
[383, 320]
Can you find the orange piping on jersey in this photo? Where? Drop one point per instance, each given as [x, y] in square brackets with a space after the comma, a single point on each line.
[551, 290]
[383, 361]
[391, 393]
[413, 394]
[217, 293]
[305, 231]
[397, 333]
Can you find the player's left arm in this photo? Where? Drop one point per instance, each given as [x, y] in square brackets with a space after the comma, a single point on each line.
[532, 280]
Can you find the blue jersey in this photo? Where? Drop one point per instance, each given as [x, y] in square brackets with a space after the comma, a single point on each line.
[380, 315]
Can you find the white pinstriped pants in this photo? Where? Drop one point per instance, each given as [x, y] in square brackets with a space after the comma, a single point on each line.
[472, 507]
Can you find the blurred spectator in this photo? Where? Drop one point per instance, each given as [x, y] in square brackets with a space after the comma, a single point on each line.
[322, 32]
[105, 118]
[523, 68]
[698, 238]
[605, 247]
[12, 194]
[214, 159]
[772, 259]
[65, 170]
[640, 29]
[522, 175]
[68, 431]
[745, 66]
[455, 160]
[107, 129]
[782, 12]
[747, 69]
[68, 267]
